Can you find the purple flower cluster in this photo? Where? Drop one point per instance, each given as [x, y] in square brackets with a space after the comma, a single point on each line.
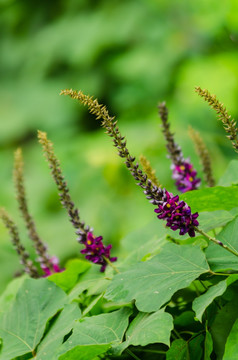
[55, 265]
[185, 176]
[96, 252]
[177, 214]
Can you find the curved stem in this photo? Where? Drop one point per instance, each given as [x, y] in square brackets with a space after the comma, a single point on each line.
[111, 264]
[217, 242]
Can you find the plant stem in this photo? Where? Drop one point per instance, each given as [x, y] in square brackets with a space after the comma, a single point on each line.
[215, 241]
[132, 355]
[111, 264]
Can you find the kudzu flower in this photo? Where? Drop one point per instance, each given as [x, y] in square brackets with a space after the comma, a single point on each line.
[185, 221]
[96, 252]
[183, 171]
[177, 214]
[54, 261]
[185, 176]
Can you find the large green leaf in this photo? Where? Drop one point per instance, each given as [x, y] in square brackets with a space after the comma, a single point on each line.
[93, 280]
[153, 282]
[222, 326]
[214, 219]
[23, 325]
[143, 242]
[148, 329]
[8, 296]
[220, 259]
[230, 176]
[231, 343]
[103, 329]
[202, 302]
[68, 278]
[61, 327]
[212, 199]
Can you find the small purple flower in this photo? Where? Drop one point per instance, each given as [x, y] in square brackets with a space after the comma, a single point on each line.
[185, 176]
[96, 252]
[177, 214]
[55, 264]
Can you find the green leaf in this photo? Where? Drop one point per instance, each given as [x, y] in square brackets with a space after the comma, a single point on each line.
[148, 329]
[103, 329]
[214, 219]
[61, 327]
[153, 282]
[220, 259]
[222, 325]
[93, 280]
[202, 302]
[178, 351]
[231, 344]
[23, 325]
[230, 176]
[8, 296]
[143, 241]
[85, 352]
[68, 278]
[208, 346]
[212, 199]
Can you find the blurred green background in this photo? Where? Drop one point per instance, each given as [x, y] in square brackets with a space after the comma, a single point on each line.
[130, 55]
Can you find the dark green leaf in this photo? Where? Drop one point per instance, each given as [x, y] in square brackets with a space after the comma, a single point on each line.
[222, 325]
[208, 346]
[202, 302]
[153, 282]
[231, 344]
[23, 325]
[178, 351]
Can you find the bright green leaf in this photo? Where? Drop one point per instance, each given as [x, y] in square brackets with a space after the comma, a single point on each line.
[61, 327]
[214, 219]
[9, 294]
[23, 325]
[219, 258]
[230, 176]
[202, 302]
[85, 352]
[212, 199]
[68, 278]
[153, 282]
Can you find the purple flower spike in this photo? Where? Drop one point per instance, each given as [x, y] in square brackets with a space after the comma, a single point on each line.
[177, 214]
[96, 252]
[185, 176]
[55, 264]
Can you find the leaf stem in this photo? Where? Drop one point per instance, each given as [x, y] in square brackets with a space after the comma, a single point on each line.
[217, 242]
[111, 264]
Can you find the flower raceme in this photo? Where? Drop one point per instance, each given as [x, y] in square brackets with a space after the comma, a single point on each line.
[54, 261]
[96, 252]
[177, 214]
[185, 176]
